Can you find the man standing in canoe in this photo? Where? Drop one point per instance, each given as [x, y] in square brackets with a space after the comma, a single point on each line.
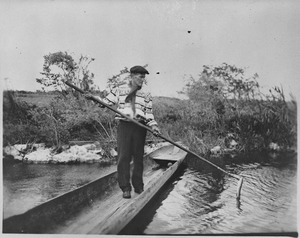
[136, 103]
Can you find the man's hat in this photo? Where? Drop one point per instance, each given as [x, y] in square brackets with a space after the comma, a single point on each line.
[138, 70]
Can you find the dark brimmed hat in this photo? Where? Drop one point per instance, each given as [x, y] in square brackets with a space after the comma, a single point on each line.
[138, 70]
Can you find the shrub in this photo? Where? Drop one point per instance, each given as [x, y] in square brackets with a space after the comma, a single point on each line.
[231, 102]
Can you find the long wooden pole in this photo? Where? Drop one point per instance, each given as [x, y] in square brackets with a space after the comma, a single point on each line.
[95, 99]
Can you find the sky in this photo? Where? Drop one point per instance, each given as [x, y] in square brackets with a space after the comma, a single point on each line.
[175, 38]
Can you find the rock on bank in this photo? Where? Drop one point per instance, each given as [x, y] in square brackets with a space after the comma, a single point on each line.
[87, 153]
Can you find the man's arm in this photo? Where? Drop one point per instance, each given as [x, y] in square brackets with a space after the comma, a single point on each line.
[150, 121]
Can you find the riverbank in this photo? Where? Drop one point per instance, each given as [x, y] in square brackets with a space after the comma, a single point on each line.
[87, 152]
[92, 152]
[245, 126]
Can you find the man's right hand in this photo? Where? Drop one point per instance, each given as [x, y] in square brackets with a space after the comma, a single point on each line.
[155, 130]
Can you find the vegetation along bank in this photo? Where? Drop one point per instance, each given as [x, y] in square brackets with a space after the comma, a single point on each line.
[224, 112]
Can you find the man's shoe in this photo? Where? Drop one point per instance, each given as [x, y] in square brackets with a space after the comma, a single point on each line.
[126, 194]
[139, 190]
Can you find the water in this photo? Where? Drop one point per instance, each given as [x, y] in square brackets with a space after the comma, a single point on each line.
[199, 200]
[28, 185]
[202, 201]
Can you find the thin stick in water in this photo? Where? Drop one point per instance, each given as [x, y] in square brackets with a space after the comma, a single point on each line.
[239, 188]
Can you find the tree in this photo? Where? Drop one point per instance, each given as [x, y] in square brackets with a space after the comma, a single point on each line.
[61, 66]
[226, 82]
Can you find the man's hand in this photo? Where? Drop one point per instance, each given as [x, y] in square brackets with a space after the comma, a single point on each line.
[155, 130]
[88, 95]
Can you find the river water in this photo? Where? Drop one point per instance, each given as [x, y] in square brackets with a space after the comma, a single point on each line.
[203, 201]
[197, 200]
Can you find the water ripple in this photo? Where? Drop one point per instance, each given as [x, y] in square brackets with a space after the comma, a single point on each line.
[205, 203]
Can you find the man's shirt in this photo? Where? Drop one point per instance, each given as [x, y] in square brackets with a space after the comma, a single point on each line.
[143, 103]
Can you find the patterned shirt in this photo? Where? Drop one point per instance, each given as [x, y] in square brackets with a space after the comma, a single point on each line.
[143, 103]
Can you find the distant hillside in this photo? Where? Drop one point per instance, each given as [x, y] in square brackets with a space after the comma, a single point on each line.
[35, 98]
[166, 101]
[43, 98]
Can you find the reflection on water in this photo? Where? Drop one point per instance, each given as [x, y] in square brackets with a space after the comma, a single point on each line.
[203, 201]
[27, 185]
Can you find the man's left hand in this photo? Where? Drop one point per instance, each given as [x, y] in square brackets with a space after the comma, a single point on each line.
[88, 95]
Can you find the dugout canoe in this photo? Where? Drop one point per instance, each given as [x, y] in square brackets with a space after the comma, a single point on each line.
[98, 207]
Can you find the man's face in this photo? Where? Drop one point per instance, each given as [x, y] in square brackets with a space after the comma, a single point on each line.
[138, 80]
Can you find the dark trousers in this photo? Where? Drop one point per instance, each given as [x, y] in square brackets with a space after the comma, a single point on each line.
[131, 141]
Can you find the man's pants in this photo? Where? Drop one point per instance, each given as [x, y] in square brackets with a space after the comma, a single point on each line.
[131, 141]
